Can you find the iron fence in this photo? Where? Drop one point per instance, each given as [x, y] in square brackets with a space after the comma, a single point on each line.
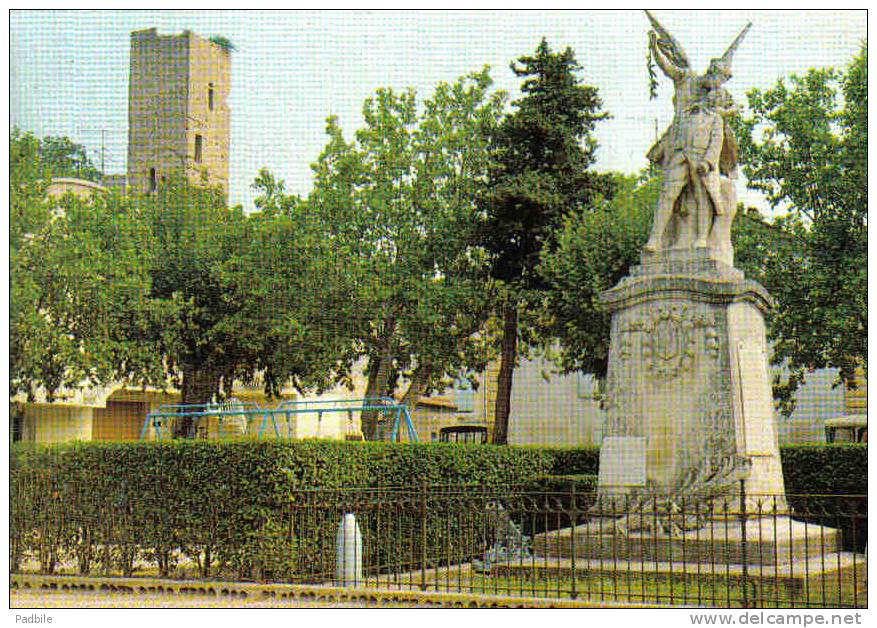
[799, 551]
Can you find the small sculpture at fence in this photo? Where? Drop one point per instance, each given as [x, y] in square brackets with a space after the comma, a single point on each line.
[510, 545]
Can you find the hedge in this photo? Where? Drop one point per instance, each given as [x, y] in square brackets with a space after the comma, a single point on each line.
[817, 478]
[247, 508]
[574, 460]
[825, 469]
[807, 469]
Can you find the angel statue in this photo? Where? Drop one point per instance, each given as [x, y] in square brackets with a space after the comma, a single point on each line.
[697, 154]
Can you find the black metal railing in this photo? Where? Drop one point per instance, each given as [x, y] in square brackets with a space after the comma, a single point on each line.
[739, 550]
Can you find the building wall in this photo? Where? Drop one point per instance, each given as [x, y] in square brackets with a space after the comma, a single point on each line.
[118, 421]
[80, 187]
[157, 94]
[55, 423]
[560, 411]
[856, 398]
[168, 105]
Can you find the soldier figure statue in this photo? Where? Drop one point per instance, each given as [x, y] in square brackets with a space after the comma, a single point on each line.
[696, 154]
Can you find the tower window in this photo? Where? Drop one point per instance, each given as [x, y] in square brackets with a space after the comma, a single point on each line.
[152, 180]
[199, 141]
[210, 96]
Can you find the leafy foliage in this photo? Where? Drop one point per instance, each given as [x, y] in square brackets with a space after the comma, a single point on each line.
[76, 277]
[64, 158]
[825, 469]
[543, 152]
[807, 153]
[171, 287]
[392, 213]
[244, 509]
[540, 171]
[807, 469]
[223, 42]
[594, 249]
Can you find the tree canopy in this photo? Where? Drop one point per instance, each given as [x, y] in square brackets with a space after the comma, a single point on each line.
[593, 250]
[394, 209]
[803, 143]
[75, 274]
[540, 171]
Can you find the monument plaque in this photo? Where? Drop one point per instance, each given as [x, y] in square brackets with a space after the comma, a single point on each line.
[758, 432]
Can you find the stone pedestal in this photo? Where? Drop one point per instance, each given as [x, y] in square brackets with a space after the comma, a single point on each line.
[688, 390]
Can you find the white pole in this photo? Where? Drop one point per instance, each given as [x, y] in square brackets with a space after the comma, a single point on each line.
[348, 552]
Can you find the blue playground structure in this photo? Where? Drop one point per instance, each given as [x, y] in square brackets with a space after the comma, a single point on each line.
[248, 414]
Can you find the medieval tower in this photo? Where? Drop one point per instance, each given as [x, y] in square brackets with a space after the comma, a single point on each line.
[178, 114]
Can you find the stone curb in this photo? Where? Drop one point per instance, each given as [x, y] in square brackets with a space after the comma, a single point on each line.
[310, 593]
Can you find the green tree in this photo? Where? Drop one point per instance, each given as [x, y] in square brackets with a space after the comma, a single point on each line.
[396, 209]
[65, 158]
[805, 148]
[595, 249]
[543, 153]
[235, 292]
[75, 273]
[592, 252]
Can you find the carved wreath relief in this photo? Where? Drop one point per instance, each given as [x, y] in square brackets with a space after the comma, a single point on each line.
[670, 343]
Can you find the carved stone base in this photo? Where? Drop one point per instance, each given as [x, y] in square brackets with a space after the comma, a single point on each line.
[688, 384]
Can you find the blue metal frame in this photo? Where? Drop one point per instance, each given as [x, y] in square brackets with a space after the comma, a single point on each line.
[286, 408]
[194, 410]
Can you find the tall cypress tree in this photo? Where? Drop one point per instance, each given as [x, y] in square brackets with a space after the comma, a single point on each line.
[542, 155]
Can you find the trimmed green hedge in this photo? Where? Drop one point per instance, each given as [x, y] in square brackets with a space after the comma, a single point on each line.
[247, 508]
[817, 478]
[807, 469]
[825, 469]
[574, 460]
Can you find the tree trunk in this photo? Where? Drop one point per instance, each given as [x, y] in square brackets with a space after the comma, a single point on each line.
[506, 370]
[378, 376]
[419, 380]
[199, 387]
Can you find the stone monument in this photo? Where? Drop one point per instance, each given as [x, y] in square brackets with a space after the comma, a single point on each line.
[689, 428]
[689, 405]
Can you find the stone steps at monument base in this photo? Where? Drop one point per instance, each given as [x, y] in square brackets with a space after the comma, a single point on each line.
[832, 573]
[768, 541]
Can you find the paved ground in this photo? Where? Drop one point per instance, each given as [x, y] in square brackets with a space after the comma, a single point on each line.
[93, 599]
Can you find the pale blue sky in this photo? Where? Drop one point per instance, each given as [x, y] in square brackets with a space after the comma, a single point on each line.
[69, 70]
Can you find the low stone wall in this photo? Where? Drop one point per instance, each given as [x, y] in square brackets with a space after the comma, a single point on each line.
[252, 590]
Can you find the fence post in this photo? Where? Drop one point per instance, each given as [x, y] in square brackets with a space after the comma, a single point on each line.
[743, 558]
[348, 552]
[423, 536]
[573, 519]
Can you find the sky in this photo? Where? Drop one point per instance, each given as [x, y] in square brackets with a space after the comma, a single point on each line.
[291, 70]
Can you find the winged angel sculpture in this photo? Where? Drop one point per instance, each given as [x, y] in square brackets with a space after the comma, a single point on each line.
[697, 154]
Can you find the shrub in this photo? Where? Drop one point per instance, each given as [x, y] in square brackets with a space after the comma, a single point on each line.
[807, 469]
[574, 460]
[819, 481]
[825, 469]
[225, 504]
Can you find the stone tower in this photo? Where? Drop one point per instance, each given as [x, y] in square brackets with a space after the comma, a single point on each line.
[178, 114]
